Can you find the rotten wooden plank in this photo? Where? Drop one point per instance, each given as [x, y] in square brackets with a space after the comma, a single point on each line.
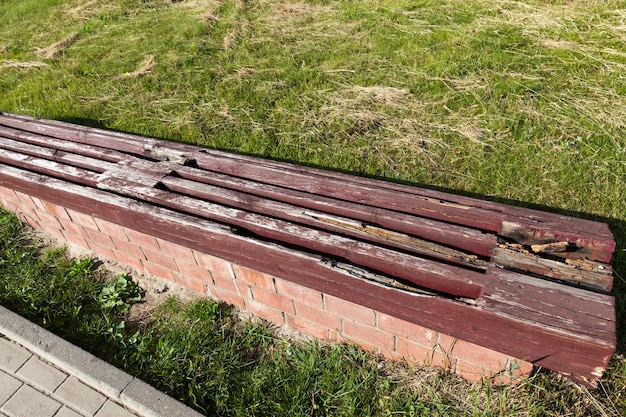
[586, 274]
[426, 273]
[551, 346]
[594, 237]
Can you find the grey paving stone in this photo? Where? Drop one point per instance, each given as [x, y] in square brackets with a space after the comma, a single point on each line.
[28, 402]
[12, 355]
[93, 371]
[82, 398]
[150, 402]
[111, 409]
[67, 412]
[8, 386]
[41, 375]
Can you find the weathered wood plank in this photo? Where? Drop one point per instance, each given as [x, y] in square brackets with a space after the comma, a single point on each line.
[51, 168]
[426, 273]
[318, 220]
[586, 274]
[463, 238]
[593, 236]
[550, 346]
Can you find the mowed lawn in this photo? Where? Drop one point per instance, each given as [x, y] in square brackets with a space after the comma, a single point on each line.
[518, 101]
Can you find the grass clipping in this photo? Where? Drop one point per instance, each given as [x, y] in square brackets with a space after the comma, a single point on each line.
[56, 48]
[145, 68]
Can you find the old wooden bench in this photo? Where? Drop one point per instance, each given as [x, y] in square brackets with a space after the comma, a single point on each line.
[532, 284]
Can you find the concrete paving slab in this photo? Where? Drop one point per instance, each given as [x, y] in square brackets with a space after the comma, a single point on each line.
[150, 402]
[13, 356]
[41, 375]
[67, 412]
[111, 409]
[8, 386]
[92, 386]
[83, 398]
[28, 402]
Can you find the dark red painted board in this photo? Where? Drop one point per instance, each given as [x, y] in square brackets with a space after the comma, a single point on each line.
[581, 357]
[594, 236]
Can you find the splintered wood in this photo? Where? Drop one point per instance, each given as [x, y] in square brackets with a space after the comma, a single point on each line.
[530, 284]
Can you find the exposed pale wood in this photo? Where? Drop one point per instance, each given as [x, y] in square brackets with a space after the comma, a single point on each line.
[422, 272]
[587, 274]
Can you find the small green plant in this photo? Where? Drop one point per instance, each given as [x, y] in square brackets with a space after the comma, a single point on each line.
[119, 294]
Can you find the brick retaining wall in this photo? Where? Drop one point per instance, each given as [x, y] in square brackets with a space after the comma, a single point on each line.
[320, 315]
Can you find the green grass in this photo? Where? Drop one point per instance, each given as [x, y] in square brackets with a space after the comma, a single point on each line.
[518, 101]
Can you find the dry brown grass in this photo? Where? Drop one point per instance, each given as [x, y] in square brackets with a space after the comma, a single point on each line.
[52, 51]
[145, 68]
[9, 63]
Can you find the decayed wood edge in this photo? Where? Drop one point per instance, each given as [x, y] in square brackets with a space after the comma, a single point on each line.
[585, 274]
[581, 357]
[583, 246]
[425, 273]
[538, 223]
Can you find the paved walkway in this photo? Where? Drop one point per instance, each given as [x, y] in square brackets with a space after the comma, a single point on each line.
[42, 375]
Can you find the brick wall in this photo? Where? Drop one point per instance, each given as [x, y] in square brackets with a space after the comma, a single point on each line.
[278, 300]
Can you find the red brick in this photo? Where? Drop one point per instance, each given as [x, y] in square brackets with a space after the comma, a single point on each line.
[254, 277]
[11, 205]
[349, 310]
[158, 271]
[486, 358]
[265, 312]
[71, 228]
[308, 327]
[318, 316]
[25, 200]
[161, 259]
[406, 330]
[219, 267]
[142, 240]
[75, 239]
[191, 283]
[100, 238]
[359, 332]
[48, 221]
[128, 248]
[225, 282]
[178, 252]
[57, 234]
[100, 249]
[299, 293]
[128, 260]
[82, 219]
[56, 210]
[517, 371]
[195, 272]
[38, 204]
[32, 221]
[470, 371]
[420, 354]
[226, 296]
[115, 231]
[7, 193]
[243, 289]
[273, 300]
